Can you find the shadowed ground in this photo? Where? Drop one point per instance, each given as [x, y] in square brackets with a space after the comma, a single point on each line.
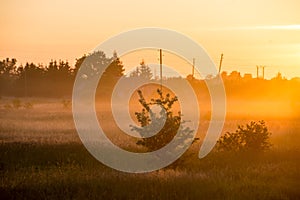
[41, 157]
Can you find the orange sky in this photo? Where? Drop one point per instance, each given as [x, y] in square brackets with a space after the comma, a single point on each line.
[249, 33]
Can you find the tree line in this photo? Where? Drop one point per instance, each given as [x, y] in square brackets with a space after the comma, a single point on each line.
[55, 79]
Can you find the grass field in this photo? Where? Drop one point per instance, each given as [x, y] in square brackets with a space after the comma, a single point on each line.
[42, 157]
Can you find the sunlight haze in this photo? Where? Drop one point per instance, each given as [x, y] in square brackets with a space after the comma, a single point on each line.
[248, 33]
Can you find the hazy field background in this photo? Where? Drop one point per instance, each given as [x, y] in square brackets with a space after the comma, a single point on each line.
[42, 157]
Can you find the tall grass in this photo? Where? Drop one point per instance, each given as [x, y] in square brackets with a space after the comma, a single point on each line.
[41, 157]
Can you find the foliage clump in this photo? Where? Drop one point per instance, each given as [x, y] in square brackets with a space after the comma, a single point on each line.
[252, 137]
[173, 123]
[66, 103]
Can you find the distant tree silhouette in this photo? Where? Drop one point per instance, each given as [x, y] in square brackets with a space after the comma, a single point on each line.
[77, 65]
[190, 77]
[94, 64]
[31, 80]
[234, 76]
[60, 71]
[114, 71]
[7, 67]
[7, 76]
[142, 71]
[278, 77]
[59, 78]
[145, 71]
[135, 73]
[56, 79]
[52, 70]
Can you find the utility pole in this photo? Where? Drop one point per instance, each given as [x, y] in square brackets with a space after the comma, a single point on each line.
[220, 66]
[25, 79]
[263, 71]
[193, 69]
[160, 61]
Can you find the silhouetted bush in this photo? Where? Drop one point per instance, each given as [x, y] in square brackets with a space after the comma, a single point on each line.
[170, 128]
[252, 137]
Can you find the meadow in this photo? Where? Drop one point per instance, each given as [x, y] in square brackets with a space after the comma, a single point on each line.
[42, 157]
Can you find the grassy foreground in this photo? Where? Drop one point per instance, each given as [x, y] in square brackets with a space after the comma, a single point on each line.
[41, 157]
[30, 171]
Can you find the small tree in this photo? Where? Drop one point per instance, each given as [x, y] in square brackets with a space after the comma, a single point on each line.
[145, 71]
[173, 123]
[142, 71]
[253, 136]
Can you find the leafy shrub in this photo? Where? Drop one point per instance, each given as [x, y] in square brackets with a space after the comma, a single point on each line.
[254, 136]
[172, 125]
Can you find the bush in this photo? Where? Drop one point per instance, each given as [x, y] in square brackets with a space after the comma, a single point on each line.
[252, 137]
[173, 123]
